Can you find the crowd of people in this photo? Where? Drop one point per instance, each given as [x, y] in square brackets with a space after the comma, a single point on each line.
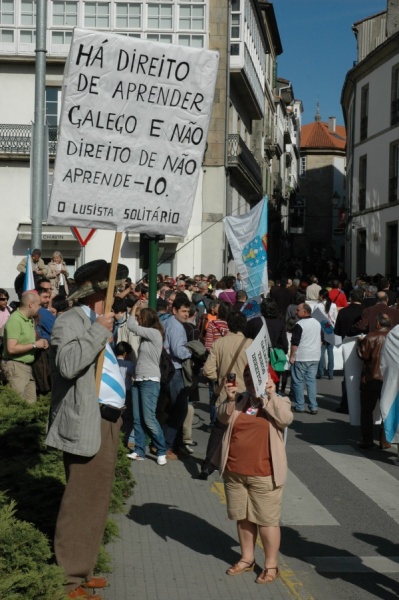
[153, 358]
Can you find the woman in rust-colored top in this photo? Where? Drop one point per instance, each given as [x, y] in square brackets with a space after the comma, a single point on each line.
[254, 467]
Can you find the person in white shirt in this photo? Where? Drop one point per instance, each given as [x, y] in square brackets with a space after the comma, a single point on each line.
[330, 310]
[304, 358]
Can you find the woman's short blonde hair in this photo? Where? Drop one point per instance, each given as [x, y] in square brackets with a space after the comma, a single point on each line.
[58, 254]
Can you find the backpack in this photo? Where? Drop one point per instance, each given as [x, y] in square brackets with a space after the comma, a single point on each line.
[167, 367]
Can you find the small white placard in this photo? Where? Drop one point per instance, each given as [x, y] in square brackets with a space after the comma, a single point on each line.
[258, 360]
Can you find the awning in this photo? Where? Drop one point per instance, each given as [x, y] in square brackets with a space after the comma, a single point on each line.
[53, 233]
[49, 233]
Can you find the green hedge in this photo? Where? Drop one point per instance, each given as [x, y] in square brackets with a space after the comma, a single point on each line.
[31, 486]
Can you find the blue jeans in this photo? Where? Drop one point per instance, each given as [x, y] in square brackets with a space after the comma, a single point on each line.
[304, 372]
[329, 348]
[145, 399]
[177, 410]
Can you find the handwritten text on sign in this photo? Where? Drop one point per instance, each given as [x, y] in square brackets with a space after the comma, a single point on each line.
[134, 124]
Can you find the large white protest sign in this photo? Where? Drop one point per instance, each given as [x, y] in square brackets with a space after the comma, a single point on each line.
[134, 123]
[258, 360]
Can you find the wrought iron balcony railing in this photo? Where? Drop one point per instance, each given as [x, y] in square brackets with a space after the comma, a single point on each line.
[17, 139]
[239, 153]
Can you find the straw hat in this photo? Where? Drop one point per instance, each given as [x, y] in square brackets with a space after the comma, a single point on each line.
[94, 276]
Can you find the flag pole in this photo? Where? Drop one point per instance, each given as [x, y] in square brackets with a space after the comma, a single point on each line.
[29, 281]
[109, 300]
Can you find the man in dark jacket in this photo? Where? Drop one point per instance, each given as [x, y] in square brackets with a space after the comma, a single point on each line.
[368, 322]
[275, 325]
[282, 296]
[350, 315]
[369, 349]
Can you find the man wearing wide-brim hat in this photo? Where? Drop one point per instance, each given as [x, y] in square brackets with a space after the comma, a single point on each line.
[85, 425]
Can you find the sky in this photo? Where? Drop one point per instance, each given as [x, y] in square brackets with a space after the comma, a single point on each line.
[319, 49]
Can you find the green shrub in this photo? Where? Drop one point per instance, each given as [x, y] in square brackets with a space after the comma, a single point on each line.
[25, 572]
[32, 477]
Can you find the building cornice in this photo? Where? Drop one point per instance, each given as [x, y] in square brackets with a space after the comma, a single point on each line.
[268, 9]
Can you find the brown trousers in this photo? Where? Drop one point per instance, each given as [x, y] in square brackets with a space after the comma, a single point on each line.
[84, 507]
[20, 377]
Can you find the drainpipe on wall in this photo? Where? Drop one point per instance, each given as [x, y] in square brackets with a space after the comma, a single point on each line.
[226, 142]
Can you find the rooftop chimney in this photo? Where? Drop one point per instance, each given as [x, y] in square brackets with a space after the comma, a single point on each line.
[332, 121]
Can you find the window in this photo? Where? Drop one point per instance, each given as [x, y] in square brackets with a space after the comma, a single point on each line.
[235, 19]
[196, 41]
[127, 34]
[302, 166]
[160, 37]
[362, 182]
[235, 27]
[28, 12]
[395, 96]
[160, 16]
[364, 112]
[297, 215]
[61, 37]
[192, 17]
[6, 36]
[97, 14]
[27, 37]
[52, 105]
[128, 15]
[7, 12]
[65, 14]
[393, 171]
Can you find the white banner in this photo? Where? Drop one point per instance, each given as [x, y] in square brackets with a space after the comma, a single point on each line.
[258, 360]
[134, 124]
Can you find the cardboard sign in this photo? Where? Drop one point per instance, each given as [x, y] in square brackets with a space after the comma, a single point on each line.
[134, 124]
[258, 360]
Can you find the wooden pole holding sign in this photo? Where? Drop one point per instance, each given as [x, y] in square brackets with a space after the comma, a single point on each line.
[109, 300]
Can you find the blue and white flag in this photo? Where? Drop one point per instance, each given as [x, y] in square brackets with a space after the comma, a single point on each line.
[247, 236]
[389, 402]
[251, 308]
[29, 282]
[112, 386]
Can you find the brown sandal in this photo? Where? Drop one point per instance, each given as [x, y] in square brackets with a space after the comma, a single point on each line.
[237, 570]
[266, 577]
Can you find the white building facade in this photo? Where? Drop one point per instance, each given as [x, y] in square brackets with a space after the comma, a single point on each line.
[236, 169]
[370, 100]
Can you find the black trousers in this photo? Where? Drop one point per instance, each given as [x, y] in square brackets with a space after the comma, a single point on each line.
[370, 393]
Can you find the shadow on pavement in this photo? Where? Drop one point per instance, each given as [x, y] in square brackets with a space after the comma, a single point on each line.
[191, 531]
[375, 584]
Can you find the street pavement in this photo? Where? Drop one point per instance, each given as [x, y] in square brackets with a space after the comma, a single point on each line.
[340, 521]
